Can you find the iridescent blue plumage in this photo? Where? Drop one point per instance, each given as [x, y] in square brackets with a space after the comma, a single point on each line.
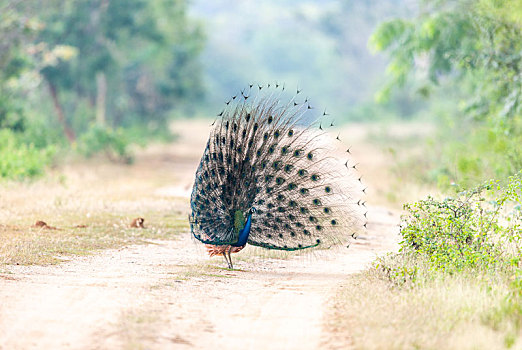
[244, 233]
[264, 153]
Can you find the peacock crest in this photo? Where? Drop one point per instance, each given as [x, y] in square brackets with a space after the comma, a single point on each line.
[270, 165]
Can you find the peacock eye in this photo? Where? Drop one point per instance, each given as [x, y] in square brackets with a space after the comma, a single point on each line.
[302, 172]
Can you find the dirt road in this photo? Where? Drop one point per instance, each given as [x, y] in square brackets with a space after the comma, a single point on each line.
[165, 295]
[169, 294]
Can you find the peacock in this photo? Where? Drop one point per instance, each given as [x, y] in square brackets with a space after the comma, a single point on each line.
[271, 176]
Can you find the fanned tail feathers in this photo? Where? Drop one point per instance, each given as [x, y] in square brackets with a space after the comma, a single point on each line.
[264, 153]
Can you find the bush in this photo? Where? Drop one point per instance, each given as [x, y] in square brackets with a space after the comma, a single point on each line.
[474, 237]
[113, 143]
[20, 160]
[477, 228]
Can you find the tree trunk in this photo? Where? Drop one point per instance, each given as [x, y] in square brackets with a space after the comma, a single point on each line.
[101, 93]
[59, 113]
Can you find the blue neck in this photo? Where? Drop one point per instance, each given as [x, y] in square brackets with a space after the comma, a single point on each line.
[243, 234]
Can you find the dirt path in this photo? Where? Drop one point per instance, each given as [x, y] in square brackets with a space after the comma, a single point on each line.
[169, 294]
[166, 295]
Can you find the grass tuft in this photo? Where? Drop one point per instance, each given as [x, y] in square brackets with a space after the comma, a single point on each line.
[442, 311]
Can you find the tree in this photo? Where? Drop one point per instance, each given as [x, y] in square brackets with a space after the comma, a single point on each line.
[16, 28]
[476, 47]
[128, 63]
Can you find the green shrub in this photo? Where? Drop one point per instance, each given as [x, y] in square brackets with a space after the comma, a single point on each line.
[478, 228]
[99, 139]
[20, 160]
[473, 236]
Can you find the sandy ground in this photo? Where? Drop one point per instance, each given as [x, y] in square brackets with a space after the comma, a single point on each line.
[169, 294]
[134, 298]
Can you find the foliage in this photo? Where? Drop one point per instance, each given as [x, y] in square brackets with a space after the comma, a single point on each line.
[466, 152]
[11, 114]
[146, 51]
[19, 160]
[473, 238]
[113, 143]
[472, 51]
[481, 38]
[93, 67]
[479, 228]
[15, 31]
[475, 235]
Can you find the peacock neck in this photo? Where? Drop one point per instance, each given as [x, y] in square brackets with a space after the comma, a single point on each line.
[243, 233]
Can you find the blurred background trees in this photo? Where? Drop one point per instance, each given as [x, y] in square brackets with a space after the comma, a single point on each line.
[468, 53]
[95, 76]
[320, 46]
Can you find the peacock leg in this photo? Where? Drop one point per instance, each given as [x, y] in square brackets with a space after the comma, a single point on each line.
[225, 256]
[230, 266]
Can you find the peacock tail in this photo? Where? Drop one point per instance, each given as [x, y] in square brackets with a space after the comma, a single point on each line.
[267, 158]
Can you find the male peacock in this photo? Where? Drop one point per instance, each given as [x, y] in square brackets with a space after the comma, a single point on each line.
[271, 178]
